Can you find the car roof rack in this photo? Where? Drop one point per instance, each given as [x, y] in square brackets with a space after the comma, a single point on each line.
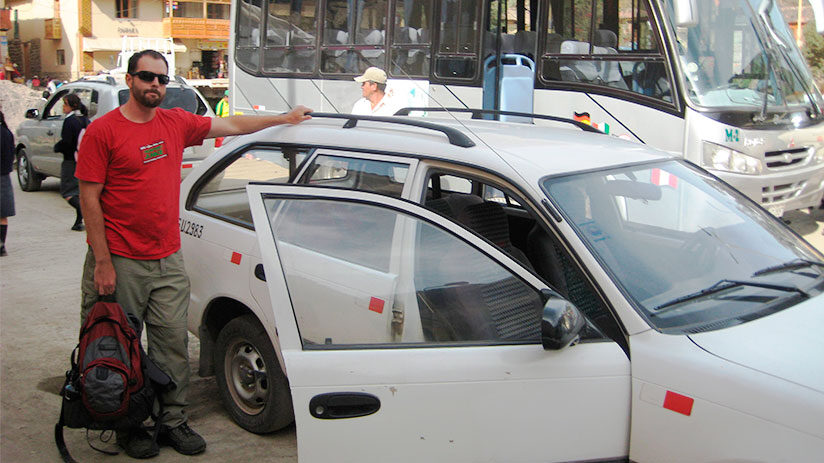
[106, 79]
[476, 114]
[455, 136]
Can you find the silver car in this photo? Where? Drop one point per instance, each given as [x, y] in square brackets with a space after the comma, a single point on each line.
[37, 135]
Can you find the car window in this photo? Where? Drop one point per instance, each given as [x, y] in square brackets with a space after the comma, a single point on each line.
[225, 193]
[89, 99]
[357, 173]
[176, 97]
[54, 109]
[356, 280]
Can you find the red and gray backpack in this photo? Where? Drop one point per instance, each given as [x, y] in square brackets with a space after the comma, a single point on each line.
[112, 384]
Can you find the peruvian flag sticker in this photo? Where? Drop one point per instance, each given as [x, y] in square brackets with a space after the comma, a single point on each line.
[663, 178]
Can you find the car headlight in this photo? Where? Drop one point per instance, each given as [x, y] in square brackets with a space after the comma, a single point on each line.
[719, 157]
[819, 155]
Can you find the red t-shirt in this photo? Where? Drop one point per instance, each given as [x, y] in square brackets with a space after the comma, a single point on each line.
[139, 167]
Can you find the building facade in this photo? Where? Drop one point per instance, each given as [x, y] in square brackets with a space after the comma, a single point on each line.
[66, 39]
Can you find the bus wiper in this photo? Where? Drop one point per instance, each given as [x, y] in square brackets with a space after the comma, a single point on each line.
[790, 265]
[725, 284]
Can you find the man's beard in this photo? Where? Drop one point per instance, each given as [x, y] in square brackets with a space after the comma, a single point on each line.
[141, 98]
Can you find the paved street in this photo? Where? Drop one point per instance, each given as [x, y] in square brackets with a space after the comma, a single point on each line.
[39, 306]
[39, 319]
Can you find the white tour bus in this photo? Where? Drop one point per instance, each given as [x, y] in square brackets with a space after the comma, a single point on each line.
[721, 82]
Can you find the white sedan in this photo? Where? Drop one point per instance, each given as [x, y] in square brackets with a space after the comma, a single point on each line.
[484, 291]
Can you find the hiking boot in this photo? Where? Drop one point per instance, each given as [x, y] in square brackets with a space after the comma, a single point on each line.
[183, 439]
[137, 443]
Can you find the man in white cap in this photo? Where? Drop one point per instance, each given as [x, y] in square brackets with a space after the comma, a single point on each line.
[375, 101]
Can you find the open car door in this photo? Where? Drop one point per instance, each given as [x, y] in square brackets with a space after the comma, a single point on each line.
[406, 337]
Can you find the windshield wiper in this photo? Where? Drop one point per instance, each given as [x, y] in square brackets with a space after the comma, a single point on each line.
[725, 284]
[791, 265]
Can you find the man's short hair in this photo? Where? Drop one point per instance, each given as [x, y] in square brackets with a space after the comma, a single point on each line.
[381, 87]
[136, 57]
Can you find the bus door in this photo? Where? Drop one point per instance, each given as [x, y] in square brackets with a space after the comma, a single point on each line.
[509, 49]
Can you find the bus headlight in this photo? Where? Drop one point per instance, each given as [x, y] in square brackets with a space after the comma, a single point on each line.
[719, 157]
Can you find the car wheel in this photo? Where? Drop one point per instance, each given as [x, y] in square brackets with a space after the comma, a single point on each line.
[29, 179]
[251, 383]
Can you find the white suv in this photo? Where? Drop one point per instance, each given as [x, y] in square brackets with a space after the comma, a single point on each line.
[469, 290]
[37, 135]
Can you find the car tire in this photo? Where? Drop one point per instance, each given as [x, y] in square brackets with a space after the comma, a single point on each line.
[29, 179]
[250, 381]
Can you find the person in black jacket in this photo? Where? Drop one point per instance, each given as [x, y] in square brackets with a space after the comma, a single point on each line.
[6, 191]
[72, 126]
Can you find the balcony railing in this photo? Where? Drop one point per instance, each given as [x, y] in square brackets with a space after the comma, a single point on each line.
[54, 29]
[196, 28]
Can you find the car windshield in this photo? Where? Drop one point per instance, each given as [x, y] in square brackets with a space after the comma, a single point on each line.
[176, 97]
[691, 253]
[741, 54]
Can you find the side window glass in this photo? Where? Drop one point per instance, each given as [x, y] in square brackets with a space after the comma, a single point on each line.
[290, 37]
[85, 96]
[225, 193]
[458, 51]
[412, 39]
[354, 36]
[54, 109]
[621, 52]
[358, 174]
[247, 30]
[431, 288]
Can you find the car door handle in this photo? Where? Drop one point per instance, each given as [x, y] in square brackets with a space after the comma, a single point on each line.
[335, 405]
[259, 273]
[50, 132]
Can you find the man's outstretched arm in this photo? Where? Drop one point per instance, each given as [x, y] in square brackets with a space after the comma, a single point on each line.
[239, 125]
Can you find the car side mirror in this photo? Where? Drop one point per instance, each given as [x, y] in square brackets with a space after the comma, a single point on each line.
[32, 113]
[561, 323]
[46, 94]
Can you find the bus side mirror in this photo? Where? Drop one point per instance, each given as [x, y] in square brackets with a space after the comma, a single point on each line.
[561, 323]
[686, 13]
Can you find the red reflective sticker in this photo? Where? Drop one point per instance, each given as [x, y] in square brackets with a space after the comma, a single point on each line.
[236, 258]
[678, 403]
[376, 305]
[187, 166]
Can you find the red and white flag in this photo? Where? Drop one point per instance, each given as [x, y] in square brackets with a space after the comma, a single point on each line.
[662, 178]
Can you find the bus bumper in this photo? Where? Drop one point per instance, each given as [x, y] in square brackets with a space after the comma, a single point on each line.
[779, 192]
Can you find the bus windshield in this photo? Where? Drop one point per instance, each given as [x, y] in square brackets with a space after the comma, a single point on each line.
[741, 54]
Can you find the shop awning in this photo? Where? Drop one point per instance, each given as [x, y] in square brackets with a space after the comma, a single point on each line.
[91, 44]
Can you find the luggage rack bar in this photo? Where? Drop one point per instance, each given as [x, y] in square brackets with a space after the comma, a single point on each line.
[476, 114]
[455, 136]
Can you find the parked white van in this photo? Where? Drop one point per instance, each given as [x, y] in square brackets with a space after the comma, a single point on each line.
[484, 291]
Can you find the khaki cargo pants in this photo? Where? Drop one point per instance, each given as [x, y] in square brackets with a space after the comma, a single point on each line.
[157, 292]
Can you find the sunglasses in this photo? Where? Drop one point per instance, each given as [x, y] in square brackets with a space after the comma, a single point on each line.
[147, 76]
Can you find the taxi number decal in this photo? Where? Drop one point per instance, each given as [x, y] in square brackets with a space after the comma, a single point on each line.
[190, 228]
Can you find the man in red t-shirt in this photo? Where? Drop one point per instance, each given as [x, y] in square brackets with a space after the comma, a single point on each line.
[129, 172]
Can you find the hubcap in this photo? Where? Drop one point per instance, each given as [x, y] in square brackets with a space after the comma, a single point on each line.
[23, 170]
[246, 377]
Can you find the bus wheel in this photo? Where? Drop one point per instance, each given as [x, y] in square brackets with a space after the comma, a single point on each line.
[251, 383]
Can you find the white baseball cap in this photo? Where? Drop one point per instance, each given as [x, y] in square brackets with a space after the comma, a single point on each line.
[372, 74]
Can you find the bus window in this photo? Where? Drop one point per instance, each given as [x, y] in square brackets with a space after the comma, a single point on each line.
[412, 39]
[517, 23]
[458, 50]
[608, 43]
[290, 37]
[354, 36]
[247, 32]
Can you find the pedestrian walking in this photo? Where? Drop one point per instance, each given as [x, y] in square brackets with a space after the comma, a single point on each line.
[374, 101]
[222, 108]
[129, 172]
[6, 190]
[73, 125]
